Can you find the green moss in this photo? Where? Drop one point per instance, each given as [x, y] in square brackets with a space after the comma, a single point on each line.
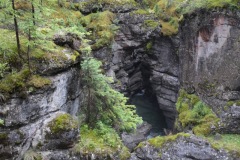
[170, 13]
[229, 142]
[102, 140]
[159, 141]
[3, 137]
[1, 122]
[124, 153]
[14, 81]
[63, 123]
[102, 27]
[149, 3]
[38, 81]
[110, 3]
[151, 24]
[191, 6]
[149, 45]
[231, 103]
[74, 56]
[141, 12]
[194, 114]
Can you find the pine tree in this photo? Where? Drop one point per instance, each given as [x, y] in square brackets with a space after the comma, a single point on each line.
[102, 102]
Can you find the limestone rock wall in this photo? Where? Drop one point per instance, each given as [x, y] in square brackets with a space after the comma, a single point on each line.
[142, 59]
[26, 120]
[209, 55]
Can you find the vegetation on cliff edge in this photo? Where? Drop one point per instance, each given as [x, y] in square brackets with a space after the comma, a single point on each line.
[195, 115]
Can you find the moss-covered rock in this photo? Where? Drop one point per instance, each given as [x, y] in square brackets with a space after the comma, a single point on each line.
[3, 137]
[38, 81]
[101, 27]
[151, 24]
[102, 142]
[194, 114]
[32, 155]
[159, 141]
[14, 82]
[229, 142]
[180, 146]
[63, 132]
[63, 123]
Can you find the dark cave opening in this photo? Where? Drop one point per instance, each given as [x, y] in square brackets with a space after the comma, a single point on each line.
[145, 100]
[147, 107]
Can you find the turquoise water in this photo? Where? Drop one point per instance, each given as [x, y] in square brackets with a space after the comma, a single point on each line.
[148, 109]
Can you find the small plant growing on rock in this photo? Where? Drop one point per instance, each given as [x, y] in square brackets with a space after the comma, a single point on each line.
[63, 123]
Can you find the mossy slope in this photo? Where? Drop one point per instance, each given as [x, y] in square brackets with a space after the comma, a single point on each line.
[102, 141]
[194, 114]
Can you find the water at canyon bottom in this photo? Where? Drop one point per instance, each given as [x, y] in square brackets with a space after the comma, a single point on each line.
[147, 108]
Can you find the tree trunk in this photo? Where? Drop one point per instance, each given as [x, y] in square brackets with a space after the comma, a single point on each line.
[16, 31]
[28, 50]
[33, 14]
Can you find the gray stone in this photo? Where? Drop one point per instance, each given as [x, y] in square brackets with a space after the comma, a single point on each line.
[183, 148]
[131, 140]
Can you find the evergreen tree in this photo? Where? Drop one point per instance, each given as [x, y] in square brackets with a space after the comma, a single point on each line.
[102, 102]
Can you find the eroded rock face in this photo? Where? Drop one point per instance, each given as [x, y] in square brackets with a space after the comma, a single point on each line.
[209, 55]
[184, 148]
[27, 120]
[210, 58]
[144, 60]
[231, 119]
[131, 140]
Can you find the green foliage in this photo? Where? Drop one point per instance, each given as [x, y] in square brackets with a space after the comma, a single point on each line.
[102, 27]
[189, 6]
[141, 12]
[159, 141]
[110, 3]
[3, 68]
[170, 12]
[149, 3]
[32, 155]
[229, 142]
[38, 81]
[151, 24]
[195, 114]
[8, 48]
[63, 123]
[14, 81]
[149, 45]
[102, 140]
[102, 103]
[49, 20]
[3, 136]
[232, 103]
[1, 122]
